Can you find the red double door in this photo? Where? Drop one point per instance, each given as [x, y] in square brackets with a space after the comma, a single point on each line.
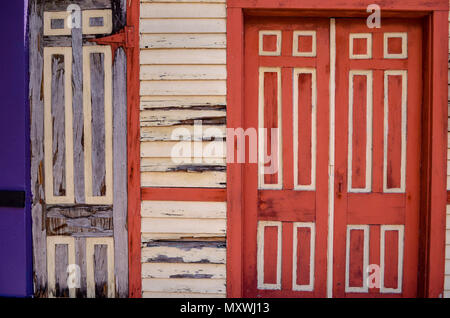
[331, 208]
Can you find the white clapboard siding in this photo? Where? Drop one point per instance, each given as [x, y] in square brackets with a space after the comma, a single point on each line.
[183, 56]
[183, 10]
[180, 270]
[183, 25]
[183, 41]
[183, 209]
[155, 101]
[205, 179]
[181, 295]
[167, 164]
[211, 255]
[169, 225]
[163, 133]
[169, 118]
[188, 285]
[171, 149]
[183, 72]
[198, 237]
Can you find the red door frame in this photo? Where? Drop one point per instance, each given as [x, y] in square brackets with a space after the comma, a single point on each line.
[434, 141]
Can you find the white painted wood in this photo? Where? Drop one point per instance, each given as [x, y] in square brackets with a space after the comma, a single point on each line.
[176, 225]
[163, 133]
[447, 267]
[185, 285]
[181, 270]
[211, 255]
[277, 33]
[184, 41]
[90, 254]
[183, 72]
[87, 112]
[181, 295]
[331, 156]
[217, 25]
[401, 230]
[183, 10]
[150, 102]
[200, 237]
[181, 150]
[183, 56]
[49, 16]
[50, 198]
[295, 51]
[184, 209]
[404, 75]
[297, 72]
[164, 117]
[107, 26]
[364, 288]
[52, 241]
[167, 164]
[369, 131]
[211, 87]
[312, 228]
[404, 37]
[368, 37]
[262, 142]
[206, 179]
[260, 255]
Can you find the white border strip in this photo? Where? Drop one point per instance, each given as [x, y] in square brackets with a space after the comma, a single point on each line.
[401, 235]
[50, 198]
[368, 54]
[60, 15]
[52, 241]
[87, 110]
[365, 287]
[404, 75]
[312, 71]
[404, 37]
[310, 286]
[369, 118]
[332, 87]
[295, 51]
[277, 52]
[260, 265]
[107, 26]
[261, 130]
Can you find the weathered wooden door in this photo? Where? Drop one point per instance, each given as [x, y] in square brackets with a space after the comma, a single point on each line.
[370, 157]
[377, 173]
[286, 97]
[78, 146]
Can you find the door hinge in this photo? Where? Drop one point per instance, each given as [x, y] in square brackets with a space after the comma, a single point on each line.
[124, 38]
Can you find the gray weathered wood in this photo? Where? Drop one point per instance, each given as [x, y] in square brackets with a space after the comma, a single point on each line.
[58, 110]
[98, 123]
[78, 119]
[120, 173]
[80, 259]
[61, 263]
[101, 271]
[37, 149]
[61, 5]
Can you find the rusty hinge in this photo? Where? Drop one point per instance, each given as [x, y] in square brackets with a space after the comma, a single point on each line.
[124, 38]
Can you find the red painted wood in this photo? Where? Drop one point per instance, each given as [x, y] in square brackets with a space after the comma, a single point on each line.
[184, 194]
[359, 46]
[359, 136]
[305, 43]
[133, 136]
[235, 112]
[270, 43]
[270, 122]
[303, 255]
[379, 208]
[374, 258]
[287, 205]
[391, 259]
[270, 254]
[304, 128]
[356, 258]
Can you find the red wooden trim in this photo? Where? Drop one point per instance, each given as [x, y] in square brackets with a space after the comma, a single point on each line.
[448, 197]
[134, 186]
[438, 143]
[184, 194]
[235, 111]
[410, 5]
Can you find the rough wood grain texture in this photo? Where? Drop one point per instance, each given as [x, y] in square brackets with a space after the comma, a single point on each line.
[61, 5]
[187, 285]
[120, 173]
[80, 258]
[78, 119]
[97, 63]
[187, 116]
[182, 10]
[183, 72]
[180, 149]
[150, 102]
[101, 271]
[163, 133]
[183, 56]
[37, 149]
[183, 41]
[213, 227]
[61, 263]
[183, 209]
[58, 125]
[177, 270]
[207, 179]
[183, 26]
[167, 165]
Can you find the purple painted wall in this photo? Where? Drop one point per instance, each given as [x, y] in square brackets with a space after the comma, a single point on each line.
[15, 223]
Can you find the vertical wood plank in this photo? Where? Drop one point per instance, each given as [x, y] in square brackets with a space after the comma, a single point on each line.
[80, 258]
[356, 260]
[61, 263]
[101, 271]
